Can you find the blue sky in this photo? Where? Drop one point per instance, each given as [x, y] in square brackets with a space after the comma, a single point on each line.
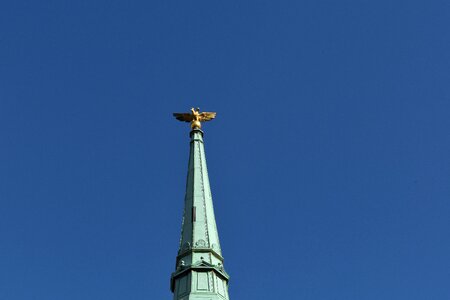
[329, 158]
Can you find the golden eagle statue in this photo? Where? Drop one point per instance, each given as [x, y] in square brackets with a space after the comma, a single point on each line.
[195, 117]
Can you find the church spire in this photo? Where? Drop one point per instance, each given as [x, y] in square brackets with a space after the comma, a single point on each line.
[199, 270]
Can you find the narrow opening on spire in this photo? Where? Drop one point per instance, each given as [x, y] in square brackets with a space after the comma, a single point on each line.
[194, 217]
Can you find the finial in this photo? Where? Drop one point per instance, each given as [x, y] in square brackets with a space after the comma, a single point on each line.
[195, 117]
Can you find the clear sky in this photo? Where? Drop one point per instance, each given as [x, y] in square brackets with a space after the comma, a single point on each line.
[329, 158]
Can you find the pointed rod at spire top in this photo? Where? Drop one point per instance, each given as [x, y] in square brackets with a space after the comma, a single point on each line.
[195, 117]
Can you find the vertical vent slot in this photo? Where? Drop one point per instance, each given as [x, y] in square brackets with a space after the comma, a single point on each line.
[194, 215]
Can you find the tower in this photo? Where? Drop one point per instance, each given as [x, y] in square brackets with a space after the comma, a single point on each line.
[199, 270]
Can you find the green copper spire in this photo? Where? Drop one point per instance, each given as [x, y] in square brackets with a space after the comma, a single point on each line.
[199, 270]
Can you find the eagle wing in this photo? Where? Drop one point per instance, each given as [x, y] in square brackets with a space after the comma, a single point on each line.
[184, 117]
[207, 116]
